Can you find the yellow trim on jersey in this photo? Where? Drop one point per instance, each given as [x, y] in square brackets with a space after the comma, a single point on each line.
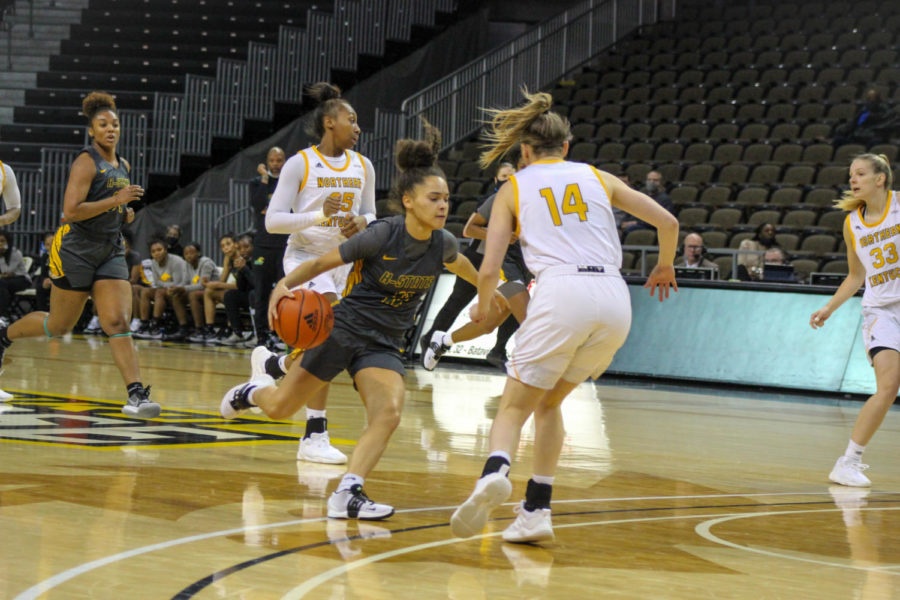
[54, 261]
[2, 181]
[362, 163]
[887, 209]
[305, 170]
[850, 229]
[344, 168]
[353, 277]
[515, 186]
[603, 183]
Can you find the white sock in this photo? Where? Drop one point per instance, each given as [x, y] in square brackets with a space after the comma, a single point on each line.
[854, 451]
[348, 481]
[312, 413]
[447, 340]
[542, 479]
[282, 363]
[250, 396]
[501, 454]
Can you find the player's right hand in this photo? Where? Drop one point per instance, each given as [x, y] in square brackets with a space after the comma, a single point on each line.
[819, 317]
[332, 205]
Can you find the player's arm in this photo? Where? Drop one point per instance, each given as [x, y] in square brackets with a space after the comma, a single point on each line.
[476, 227]
[500, 228]
[279, 218]
[648, 210]
[366, 203]
[856, 277]
[12, 197]
[80, 177]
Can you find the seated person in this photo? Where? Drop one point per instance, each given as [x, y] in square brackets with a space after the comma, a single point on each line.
[13, 275]
[750, 262]
[214, 290]
[238, 298]
[201, 270]
[170, 273]
[42, 280]
[693, 255]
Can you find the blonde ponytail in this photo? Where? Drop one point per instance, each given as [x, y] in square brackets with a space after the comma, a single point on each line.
[532, 123]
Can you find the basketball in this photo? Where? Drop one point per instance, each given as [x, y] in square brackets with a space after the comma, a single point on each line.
[304, 321]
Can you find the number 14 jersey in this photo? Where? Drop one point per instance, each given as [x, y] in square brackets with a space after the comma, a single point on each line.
[564, 216]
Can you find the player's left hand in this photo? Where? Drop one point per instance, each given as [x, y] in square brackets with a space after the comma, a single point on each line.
[354, 226]
[661, 278]
[278, 292]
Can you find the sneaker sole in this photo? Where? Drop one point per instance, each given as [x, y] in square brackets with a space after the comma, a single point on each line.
[145, 411]
[471, 517]
[540, 536]
[834, 479]
[321, 460]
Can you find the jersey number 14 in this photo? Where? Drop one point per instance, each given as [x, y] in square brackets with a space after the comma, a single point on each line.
[572, 202]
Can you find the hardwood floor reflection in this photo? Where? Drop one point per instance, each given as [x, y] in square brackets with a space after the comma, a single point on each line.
[663, 492]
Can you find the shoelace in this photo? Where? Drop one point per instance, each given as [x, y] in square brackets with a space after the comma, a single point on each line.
[859, 466]
[144, 396]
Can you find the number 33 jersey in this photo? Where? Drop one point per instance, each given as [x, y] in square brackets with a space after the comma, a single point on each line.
[342, 177]
[564, 216]
[877, 244]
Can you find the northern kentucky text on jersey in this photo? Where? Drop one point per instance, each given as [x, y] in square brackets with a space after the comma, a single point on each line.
[339, 182]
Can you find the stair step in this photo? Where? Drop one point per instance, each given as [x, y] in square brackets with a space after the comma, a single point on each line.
[12, 79]
[24, 64]
[6, 115]
[12, 97]
[30, 47]
[20, 19]
[41, 32]
[39, 5]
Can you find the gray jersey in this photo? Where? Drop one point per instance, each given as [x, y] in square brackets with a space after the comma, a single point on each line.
[107, 180]
[391, 273]
[205, 268]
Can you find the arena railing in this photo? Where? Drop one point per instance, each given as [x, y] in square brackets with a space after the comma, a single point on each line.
[535, 59]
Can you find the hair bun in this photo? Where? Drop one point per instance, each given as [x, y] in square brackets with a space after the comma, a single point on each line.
[413, 154]
[95, 101]
[323, 91]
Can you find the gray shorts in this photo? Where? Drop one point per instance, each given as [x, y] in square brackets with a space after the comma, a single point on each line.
[77, 262]
[353, 349]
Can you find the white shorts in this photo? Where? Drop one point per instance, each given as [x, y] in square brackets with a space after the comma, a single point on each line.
[333, 281]
[881, 328]
[575, 324]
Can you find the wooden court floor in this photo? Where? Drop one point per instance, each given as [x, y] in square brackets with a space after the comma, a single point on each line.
[663, 492]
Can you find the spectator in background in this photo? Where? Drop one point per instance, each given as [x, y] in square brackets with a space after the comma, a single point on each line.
[656, 189]
[874, 123]
[13, 275]
[619, 214]
[268, 248]
[692, 255]
[214, 291]
[201, 270]
[136, 277]
[239, 298]
[750, 264]
[173, 240]
[42, 283]
[463, 292]
[169, 271]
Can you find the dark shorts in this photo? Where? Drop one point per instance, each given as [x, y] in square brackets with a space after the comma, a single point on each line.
[76, 262]
[353, 349]
[516, 276]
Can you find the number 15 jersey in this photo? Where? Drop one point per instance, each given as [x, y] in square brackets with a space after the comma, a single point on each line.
[564, 216]
[878, 247]
[307, 180]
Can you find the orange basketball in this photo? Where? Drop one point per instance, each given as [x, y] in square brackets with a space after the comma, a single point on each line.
[304, 321]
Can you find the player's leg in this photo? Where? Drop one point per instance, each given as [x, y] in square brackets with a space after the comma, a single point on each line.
[382, 392]
[113, 300]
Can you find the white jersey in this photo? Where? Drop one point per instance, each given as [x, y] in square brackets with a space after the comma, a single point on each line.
[876, 245]
[306, 180]
[9, 188]
[564, 216]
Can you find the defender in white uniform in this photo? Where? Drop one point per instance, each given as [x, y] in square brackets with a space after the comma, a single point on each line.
[325, 194]
[872, 236]
[580, 310]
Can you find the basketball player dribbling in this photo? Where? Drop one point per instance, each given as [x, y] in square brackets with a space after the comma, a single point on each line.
[87, 257]
[325, 194]
[562, 213]
[395, 262]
